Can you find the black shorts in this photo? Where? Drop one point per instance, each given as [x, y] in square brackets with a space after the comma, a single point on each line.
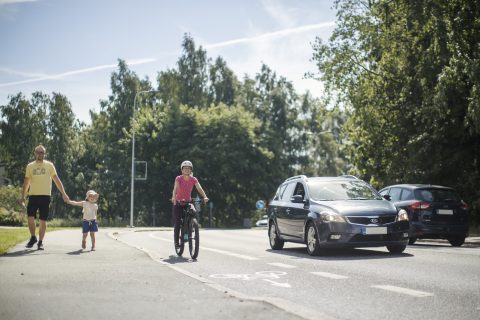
[40, 203]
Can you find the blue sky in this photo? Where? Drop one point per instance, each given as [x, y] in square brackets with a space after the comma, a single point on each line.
[72, 46]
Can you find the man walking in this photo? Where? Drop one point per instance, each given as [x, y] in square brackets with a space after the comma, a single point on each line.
[38, 183]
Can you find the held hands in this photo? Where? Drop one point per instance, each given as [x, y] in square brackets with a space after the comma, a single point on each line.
[66, 198]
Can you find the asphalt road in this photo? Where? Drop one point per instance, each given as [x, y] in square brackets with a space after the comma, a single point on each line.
[136, 274]
[431, 280]
[116, 281]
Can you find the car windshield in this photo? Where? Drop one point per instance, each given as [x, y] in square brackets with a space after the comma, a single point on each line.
[341, 190]
[436, 195]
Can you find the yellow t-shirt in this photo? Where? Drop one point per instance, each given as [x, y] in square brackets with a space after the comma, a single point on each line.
[40, 175]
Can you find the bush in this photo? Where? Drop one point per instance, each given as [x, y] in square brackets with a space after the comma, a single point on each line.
[11, 212]
[12, 218]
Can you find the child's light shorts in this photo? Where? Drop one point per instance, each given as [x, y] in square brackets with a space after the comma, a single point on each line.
[89, 226]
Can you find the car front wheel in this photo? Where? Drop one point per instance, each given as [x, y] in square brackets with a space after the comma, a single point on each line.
[275, 242]
[456, 241]
[412, 240]
[313, 246]
[396, 248]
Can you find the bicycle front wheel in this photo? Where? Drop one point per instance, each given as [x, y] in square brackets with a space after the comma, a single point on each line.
[194, 238]
[181, 242]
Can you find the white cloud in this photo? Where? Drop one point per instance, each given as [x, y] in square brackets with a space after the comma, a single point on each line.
[74, 72]
[21, 73]
[287, 52]
[270, 35]
[3, 2]
[282, 14]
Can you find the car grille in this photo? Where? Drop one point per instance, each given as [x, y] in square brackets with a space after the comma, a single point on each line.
[366, 220]
[376, 237]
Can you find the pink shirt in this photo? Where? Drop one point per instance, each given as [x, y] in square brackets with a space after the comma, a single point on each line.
[184, 191]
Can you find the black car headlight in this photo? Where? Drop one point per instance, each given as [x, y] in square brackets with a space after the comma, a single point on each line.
[331, 217]
[402, 215]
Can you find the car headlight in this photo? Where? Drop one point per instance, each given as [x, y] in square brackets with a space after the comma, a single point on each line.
[331, 217]
[402, 215]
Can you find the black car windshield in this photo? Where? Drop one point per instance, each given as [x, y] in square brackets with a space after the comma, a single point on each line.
[341, 190]
[435, 195]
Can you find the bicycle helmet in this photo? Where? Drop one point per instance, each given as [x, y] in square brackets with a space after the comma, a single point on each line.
[186, 163]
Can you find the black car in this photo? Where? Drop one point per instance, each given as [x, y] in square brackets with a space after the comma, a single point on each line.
[329, 212]
[435, 212]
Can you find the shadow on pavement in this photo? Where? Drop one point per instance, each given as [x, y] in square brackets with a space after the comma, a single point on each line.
[439, 245]
[77, 252]
[341, 254]
[20, 253]
[173, 259]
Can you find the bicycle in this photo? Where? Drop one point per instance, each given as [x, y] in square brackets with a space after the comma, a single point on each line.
[188, 230]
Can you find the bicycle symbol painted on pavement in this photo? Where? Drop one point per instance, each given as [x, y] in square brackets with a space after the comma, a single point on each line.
[260, 275]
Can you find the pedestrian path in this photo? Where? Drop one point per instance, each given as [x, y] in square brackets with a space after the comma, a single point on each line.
[114, 282]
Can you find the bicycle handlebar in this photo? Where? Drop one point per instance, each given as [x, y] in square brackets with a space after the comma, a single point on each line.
[185, 202]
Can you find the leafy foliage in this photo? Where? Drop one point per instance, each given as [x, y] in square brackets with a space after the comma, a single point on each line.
[11, 213]
[408, 74]
[244, 138]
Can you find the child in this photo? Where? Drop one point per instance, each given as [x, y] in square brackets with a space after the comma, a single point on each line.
[182, 191]
[89, 223]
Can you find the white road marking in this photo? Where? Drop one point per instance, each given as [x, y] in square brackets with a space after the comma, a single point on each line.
[263, 275]
[282, 304]
[329, 275]
[232, 254]
[410, 292]
[278, 284]
[237, 255]
[281, 265]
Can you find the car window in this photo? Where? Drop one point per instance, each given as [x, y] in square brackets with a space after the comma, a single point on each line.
[288, 192]
[280, 190]
[407, 194]
[433, 195]
[299, 190]
[395, 194]
[426, 195]
[341, 190]
[384, 192]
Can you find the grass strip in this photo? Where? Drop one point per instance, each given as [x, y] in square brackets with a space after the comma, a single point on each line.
[9, 237]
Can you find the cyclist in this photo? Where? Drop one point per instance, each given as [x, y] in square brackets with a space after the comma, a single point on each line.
[182, 191]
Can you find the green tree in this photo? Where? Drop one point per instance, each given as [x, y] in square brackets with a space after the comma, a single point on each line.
[192, 74]
[111, 131]
[224, 85]
[23, 126]
[62, 136]
[408, 74]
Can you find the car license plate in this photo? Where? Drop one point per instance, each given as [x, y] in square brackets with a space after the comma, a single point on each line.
[444, 211]
[374, 230]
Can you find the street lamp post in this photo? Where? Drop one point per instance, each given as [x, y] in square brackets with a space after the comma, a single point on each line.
[132, 190]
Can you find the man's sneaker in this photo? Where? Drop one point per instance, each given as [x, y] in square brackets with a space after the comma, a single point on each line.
[32, 241]
[40, 245]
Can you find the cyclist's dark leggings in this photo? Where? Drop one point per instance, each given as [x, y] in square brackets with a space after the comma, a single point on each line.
[176, 215]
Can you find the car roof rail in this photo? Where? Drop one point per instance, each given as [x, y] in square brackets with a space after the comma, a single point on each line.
[348, 176]
[297, 177]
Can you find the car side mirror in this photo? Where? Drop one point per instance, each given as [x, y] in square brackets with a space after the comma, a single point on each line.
[387, 197]
[297, 199]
